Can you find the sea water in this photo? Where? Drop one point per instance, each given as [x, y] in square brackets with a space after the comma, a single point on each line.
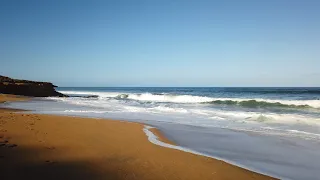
[275, 131]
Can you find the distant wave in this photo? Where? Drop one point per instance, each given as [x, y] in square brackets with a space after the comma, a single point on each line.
[172, 98]
[274, 90]
[257, 104]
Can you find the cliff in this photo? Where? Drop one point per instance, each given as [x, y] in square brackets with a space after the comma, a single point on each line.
[27, 88]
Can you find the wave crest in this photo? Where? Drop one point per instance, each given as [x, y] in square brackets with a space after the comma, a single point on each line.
[192, 99]
[256, 104]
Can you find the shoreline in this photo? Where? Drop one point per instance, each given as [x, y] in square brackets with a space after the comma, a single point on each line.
[203, 165]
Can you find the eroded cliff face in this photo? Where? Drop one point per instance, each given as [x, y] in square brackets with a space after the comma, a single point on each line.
[27, 88]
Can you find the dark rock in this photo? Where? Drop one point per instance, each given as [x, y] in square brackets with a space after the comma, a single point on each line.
[27, 88]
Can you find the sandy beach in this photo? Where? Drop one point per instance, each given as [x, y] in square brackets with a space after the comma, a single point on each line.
[59, 147]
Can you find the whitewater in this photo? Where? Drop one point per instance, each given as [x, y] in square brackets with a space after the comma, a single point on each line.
[274, 131]
[149, 97]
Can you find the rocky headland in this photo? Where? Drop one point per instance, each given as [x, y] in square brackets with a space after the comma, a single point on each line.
[27, 88]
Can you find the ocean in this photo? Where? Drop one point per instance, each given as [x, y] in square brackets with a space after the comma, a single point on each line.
[274, 131]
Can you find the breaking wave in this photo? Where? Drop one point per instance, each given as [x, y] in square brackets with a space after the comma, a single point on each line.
[185, 99]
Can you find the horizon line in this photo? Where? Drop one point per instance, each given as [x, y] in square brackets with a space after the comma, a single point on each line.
[188, 87]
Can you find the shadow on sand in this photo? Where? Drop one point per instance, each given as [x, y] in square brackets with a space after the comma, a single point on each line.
[18, 162]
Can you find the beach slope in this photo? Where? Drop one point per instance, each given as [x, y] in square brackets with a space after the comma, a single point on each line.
[36, 146]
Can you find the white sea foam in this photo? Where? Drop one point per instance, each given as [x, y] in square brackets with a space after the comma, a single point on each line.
[187, 111]
[85, 111]
[155, 140]
[189, 98]
[169, 109]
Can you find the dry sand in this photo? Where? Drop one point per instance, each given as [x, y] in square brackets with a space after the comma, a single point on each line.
[56, 147]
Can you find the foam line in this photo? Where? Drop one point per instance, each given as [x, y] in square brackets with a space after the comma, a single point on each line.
[155, 140]
[185, 99]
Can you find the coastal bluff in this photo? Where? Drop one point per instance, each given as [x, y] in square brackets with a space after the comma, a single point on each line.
[27, 88]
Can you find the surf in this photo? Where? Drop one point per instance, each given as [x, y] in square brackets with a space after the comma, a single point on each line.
[193, 99]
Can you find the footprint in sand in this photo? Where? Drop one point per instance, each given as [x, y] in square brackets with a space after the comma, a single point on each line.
[51, 148]
[3, 143]
[50, 162]
[12, 145]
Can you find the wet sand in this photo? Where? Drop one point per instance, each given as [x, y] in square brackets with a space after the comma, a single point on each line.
[58, 147]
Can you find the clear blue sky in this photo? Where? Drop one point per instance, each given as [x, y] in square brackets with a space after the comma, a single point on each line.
[162, 43]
